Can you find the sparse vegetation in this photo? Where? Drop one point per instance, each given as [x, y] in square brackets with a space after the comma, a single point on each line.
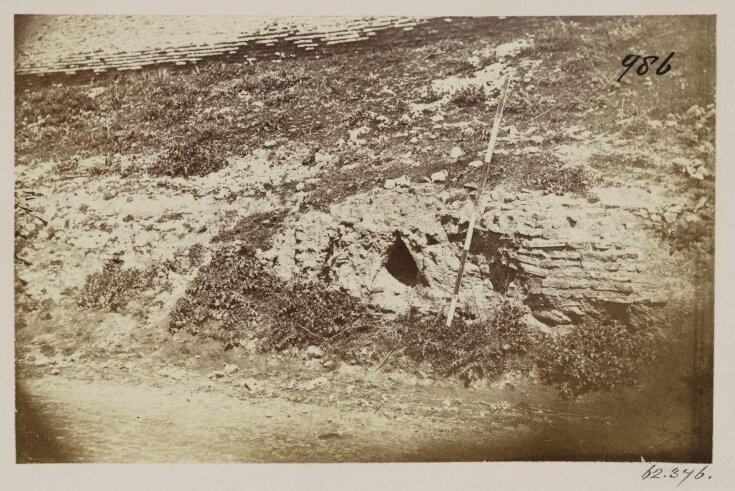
[196, 254]
[188, 159]
[28, 218]
[114, 165]
[561, 179]
[235, 295]
[256, 229]
[469, 349]
[308, 313]
[472, 95]
[596, 356]
[60, 104]
[115, 286]
[220, 302]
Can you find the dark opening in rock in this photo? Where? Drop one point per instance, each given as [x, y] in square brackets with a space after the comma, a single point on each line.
[402, 266]
[494, 247]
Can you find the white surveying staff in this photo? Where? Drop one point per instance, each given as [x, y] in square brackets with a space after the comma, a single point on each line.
[485, 171]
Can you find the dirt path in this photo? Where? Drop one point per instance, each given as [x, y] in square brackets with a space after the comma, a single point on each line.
[105, 421]
[117, 421]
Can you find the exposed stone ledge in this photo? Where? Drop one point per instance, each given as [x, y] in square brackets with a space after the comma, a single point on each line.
[569, 269]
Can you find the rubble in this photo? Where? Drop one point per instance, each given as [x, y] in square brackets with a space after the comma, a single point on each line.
[42, 360]
[314, 352]
[172, 372]
[252, 384]
[440, 176]
[356, 134]
[322, 158]
[402, 181]
[456, 153]
[313, 384]
[700, 204]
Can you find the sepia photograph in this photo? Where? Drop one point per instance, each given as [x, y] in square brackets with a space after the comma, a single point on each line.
[365, 239]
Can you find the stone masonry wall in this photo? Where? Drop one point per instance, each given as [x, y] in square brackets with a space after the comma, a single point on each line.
[571, 258]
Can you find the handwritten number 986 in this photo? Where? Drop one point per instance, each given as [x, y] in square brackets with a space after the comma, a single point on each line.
[647, 62]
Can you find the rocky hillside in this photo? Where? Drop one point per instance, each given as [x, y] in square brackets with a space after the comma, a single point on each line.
[322, 201]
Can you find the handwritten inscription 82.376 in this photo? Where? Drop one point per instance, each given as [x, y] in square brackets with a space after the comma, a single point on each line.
[680, 474]
[646, 62]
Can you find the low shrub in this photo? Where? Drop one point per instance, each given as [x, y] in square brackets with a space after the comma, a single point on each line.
[187, 160]
[220, 299]
[114, 165]
[67, 166]
[56, 105]
[235, 294]
[256, 229]
[471, 350]
[689, 231]
[114, 286]
[471, 95]
[28, 215]
[594, 357]
[307, 313]
[196, 254]
[557, 178]
[277, 79]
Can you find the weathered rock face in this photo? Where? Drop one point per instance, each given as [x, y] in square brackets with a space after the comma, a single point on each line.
[387, 246]
[575, 258]
[400, 248]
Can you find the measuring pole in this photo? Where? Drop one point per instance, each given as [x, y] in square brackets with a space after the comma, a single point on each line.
[476, 202]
